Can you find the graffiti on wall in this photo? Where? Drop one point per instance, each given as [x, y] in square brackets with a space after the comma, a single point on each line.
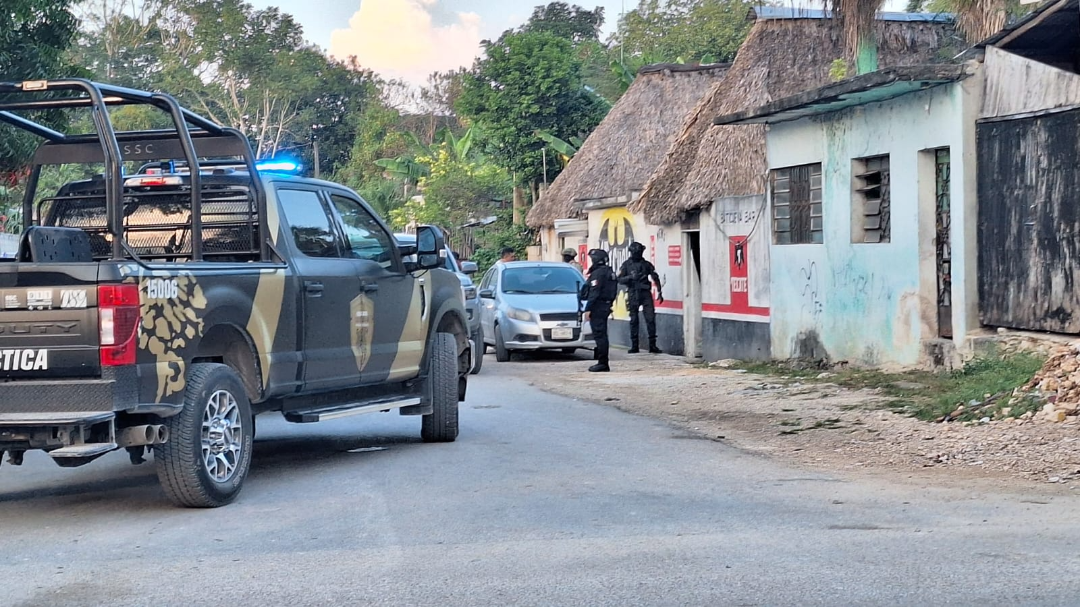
[861, 289]
[811, 305]
[616, 234]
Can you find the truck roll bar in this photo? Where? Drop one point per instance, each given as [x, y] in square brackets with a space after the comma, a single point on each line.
[111, 148]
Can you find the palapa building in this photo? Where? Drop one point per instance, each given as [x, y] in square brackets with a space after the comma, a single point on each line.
[586, 206]
[702, 211]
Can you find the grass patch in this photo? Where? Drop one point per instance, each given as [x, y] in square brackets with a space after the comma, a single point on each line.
[928, 395]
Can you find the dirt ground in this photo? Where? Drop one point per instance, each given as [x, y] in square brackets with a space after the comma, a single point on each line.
[815, 425]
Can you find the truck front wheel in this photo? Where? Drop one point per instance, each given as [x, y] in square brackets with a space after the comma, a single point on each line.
[441, 425]
[207, 457]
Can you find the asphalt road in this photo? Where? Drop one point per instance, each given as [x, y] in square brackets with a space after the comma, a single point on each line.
[542, 501]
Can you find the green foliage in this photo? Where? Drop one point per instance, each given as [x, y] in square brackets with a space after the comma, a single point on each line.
[838, 70]
[528, 82]
[243, 67]
[692, 29]
[455, 190]
[930, 395]
[377, 136]
[503, 233]
[571, 23]
[383, 195]
[34, 35]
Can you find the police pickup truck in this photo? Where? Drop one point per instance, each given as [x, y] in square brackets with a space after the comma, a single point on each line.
[161, 310]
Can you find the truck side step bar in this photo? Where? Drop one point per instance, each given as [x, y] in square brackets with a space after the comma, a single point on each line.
[358, 408]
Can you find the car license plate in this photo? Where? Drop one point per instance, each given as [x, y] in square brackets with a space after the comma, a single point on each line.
[562, 333]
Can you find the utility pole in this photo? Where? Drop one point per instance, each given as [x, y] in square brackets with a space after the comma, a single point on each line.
[315, 147]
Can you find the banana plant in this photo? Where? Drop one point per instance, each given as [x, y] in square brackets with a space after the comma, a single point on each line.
[403, 168]
[565, 149]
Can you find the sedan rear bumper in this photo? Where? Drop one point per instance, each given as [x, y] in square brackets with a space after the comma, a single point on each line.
[538, 335]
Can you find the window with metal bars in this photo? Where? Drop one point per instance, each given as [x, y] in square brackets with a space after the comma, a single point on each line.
[871, 212]
[796, 203]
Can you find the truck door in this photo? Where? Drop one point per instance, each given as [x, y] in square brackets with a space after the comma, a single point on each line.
[328, 286]
[392, 313]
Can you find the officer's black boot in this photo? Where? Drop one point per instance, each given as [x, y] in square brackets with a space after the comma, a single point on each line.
[600, 367]
[633, 348]
[653, 349]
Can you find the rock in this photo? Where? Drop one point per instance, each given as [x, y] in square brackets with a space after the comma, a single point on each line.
[727, 363]
[825, 375]
[1054, 479]
[985, 420]
[973, 403]
[909, 385]
[1057, 417]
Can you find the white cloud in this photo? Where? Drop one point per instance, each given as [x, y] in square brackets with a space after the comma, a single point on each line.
[398, 39]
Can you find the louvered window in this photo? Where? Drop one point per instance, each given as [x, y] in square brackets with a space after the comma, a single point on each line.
[796, 204]
[871, 211]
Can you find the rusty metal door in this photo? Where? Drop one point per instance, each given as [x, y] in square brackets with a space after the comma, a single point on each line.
[943, 183]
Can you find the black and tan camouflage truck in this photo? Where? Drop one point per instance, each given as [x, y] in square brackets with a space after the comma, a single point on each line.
[178, 291]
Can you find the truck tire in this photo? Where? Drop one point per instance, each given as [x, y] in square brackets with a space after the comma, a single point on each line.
[441, 425]
[481, 349]
[501, 353]
[207, 457]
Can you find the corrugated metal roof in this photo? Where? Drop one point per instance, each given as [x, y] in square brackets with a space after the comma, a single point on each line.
[874, 87]
[791, 12]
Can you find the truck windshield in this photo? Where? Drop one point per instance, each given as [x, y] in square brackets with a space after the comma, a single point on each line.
[542, 280]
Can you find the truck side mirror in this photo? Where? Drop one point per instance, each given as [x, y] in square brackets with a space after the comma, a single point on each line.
[430, 248]
[469, 267]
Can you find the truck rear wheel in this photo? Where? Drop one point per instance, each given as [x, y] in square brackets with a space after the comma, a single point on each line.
[207, 457]
[441, 425]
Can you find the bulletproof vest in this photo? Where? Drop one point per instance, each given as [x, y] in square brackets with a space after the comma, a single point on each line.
[638, 269]
[607, 285]
[610, 287]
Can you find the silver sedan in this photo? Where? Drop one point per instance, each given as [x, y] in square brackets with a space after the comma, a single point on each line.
[532, 305]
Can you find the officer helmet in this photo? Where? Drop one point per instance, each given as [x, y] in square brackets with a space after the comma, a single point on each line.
[598, 256]
[636, 248]
[569, 252]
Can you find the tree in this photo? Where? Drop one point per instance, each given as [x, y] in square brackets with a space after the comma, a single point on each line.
[689, 29]
[569, 22]
[528, 82]
[242, 67]
[456, 188]
[977, 19]
[34, 35]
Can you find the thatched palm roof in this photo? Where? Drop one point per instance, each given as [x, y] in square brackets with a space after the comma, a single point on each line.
[622, 153]
[779, 58]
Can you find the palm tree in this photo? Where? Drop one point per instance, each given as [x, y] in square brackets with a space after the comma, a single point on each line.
[976, 19]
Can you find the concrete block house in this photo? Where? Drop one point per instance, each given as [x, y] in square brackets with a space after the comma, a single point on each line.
[708, 194]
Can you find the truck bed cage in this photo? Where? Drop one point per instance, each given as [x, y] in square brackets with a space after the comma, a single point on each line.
[193, 137]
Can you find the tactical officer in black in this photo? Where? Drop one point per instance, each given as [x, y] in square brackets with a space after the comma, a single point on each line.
[635, 274]
[599, 293]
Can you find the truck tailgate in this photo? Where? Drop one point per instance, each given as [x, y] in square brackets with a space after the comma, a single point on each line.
[48, 321]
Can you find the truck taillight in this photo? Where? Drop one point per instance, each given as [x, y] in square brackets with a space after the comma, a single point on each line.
[118, 321]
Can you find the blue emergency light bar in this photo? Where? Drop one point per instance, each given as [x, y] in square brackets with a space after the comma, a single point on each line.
[274, 165]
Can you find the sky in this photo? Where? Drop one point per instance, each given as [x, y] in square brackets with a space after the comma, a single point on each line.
[410, 39]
